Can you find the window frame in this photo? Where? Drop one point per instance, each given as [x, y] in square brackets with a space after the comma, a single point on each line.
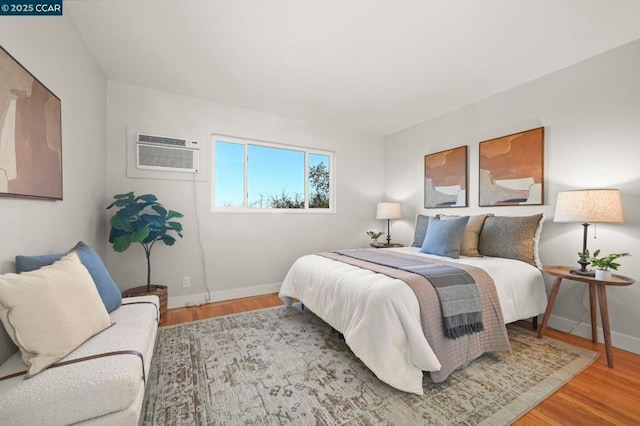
[244, 209]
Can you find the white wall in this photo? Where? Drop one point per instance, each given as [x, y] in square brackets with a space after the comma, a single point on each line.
[52, 49]
[591, 113]
[243, 254]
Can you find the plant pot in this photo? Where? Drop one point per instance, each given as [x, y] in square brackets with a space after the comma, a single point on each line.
[158, 290]
[603, 275]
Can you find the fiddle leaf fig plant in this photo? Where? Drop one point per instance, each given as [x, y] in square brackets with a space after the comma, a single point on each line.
[143, 220]
[606, 262]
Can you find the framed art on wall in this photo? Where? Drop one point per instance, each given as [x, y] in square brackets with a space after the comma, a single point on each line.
[445, 178]
[30, 134]
[512, 169]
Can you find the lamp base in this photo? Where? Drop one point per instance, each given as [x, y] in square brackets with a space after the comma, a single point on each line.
[583, 267]
[583, 273]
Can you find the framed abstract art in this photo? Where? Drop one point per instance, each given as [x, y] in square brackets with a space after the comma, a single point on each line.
[512, 169]
[445, 178]
[30, 134]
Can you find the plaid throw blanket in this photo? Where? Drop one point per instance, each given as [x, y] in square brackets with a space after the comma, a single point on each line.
[456, 289]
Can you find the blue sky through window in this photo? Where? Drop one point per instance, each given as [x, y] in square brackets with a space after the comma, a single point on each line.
[271, 171]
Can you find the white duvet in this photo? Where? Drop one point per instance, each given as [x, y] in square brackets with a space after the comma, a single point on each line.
[379, 316]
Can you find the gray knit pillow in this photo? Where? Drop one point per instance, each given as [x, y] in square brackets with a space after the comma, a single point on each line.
[422, 222]
[511, 237]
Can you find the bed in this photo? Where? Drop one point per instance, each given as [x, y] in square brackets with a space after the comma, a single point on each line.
[381, 318]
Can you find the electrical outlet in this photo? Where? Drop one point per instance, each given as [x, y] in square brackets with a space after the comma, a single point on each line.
[186, 281]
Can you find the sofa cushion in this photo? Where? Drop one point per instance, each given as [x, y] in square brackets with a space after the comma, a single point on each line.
[107, 288]
[89, 389]
[42, 314]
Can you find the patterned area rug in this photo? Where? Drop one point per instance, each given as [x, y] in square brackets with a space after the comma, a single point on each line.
[285, 366]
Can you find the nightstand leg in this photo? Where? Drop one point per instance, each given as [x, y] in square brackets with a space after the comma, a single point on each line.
[593, 307]
[550, 302]
[604, 313]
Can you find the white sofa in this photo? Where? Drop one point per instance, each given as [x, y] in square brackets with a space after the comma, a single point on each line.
[102, 391]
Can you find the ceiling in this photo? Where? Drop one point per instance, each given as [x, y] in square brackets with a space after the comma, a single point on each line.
[375, 66]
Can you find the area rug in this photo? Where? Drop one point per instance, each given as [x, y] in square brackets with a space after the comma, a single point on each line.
[285, 366]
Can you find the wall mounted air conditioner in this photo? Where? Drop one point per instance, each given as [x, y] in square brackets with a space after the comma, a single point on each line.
[167, 153]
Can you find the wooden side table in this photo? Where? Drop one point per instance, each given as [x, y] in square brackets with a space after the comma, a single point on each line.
[564, 272]
[385, 245]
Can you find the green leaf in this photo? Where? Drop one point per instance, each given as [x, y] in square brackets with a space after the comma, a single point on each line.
[173, 214]
[121, 196]
[176, 226]
[115, 233]
[168, 240]
[130, 210]
[153, 220]
[122, 243]
[153, 236]
[160, 210]
[140, 235]
[150, 198]
[121, 223]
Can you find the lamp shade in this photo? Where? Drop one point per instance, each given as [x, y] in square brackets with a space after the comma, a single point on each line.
[388, 211]
[589, 206]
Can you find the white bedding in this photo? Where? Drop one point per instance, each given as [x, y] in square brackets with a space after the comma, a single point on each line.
[379, 316]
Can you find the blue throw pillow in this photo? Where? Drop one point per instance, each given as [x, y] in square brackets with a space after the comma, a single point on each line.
[107, 288]
[444, 237]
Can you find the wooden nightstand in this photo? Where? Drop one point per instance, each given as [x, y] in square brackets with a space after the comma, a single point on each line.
[564, 272]
[385, 245]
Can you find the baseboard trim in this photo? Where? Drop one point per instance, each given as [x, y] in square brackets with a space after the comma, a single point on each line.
[618, 340]
[220, 295]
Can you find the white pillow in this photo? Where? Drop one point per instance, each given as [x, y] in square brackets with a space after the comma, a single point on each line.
[51, 311]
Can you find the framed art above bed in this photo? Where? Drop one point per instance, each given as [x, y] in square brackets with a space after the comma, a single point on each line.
[512, 169]
[445, 178]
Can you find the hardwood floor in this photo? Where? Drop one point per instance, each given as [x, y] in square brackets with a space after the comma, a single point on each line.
[599, 395]
[216, 309]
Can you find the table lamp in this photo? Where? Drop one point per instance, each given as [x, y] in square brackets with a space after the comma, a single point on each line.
[388, 211]
[588, 206]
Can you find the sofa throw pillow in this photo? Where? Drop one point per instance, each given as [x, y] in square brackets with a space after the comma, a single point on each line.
[107, 288]
[444, 236]
[51, 311]
[512, 237]
[422, 222]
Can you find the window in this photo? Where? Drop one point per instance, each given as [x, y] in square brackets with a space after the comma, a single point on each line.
[258, 176]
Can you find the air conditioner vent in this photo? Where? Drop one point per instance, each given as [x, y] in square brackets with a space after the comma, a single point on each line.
[161, 140]
[166, 153]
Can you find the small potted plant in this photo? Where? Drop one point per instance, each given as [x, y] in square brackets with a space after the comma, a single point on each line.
[145, 221]
[603, 264]
[374, 236]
